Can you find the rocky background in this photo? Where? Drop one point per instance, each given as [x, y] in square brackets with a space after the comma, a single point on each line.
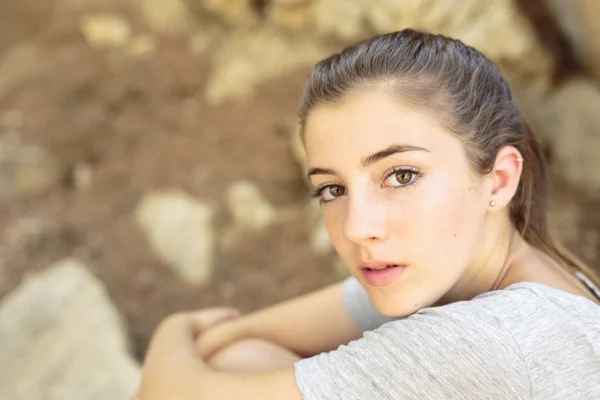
[148, 162]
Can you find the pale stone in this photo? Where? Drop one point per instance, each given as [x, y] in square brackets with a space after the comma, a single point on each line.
[61, 338]
[105, 30]
[291, 14]
[82, 176]
[25, 170]
[210, 36]
[179, 229]
[320, 241]
[19, 62]
[299, 152]
[327, 14]
[498, 29]
[166, 16]
[80, 4]
[142, 45]
[246, 59]
[248, 207]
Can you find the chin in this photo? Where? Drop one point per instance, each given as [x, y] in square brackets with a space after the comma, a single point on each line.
[394, 305]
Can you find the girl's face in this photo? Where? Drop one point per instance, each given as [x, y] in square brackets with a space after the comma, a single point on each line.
[396, 189]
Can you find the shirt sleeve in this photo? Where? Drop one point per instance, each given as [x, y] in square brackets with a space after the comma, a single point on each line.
[437, 353]
[360, 308]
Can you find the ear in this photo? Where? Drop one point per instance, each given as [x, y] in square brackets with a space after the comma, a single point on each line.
[505, 177]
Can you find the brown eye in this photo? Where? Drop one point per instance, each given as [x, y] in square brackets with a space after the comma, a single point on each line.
[404, 177]
[331, 192]
[335, 191]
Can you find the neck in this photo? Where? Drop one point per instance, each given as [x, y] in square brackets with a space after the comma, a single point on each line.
[501, 245]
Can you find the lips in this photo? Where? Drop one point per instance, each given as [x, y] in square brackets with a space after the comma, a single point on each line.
[379, 268]
[377, 264]
[380, 273]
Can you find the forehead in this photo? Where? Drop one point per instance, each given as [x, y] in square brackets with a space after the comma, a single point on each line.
[368, 121]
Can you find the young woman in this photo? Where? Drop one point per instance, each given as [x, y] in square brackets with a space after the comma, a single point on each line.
[434, 193]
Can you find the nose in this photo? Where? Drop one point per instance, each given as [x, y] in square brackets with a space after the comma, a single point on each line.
[365, 219]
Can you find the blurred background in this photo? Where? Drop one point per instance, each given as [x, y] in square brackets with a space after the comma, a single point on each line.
[149, 162]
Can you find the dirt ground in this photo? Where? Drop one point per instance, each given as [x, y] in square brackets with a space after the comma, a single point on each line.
[135, 123]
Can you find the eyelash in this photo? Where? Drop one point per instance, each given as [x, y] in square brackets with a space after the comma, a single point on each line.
[316, 193]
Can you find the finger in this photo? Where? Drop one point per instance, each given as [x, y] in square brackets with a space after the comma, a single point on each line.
[213, 340]
[202, 320]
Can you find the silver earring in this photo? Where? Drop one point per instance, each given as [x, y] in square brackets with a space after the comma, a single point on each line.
[493, 203]
[520, 159]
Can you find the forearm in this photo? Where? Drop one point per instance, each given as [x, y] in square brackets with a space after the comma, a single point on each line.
[307, 325]
[171, 363]
[213, 385]
[173, 370]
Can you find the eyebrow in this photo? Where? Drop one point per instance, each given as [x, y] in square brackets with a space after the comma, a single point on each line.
[373, 158]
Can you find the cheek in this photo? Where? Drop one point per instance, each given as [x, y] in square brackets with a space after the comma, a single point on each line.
[444, 224]
[334, 216]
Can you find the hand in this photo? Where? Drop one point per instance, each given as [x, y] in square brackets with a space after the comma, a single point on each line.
[172, 355]
[209, 317]
[215, 330]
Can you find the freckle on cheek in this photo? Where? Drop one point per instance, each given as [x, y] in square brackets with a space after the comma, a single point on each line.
[455, 235]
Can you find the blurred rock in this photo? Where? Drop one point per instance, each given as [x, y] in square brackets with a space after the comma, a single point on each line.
[320, 242]
[289, 14]
[238, 13]
[25, 170]
[210, 36]
[249, 209]
[246, 59]
[327, 14]
[299, 152]
[579, 20]
[21, 61]
[105, 30]
[166, 16]
[82, 175]
[61, 338]
[80, 4]
[179, 229]
[141, 45]
[568, 119]
[497, 28]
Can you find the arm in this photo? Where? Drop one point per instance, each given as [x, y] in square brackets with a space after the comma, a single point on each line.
[453, 352]
[173, 370]
[307, 325]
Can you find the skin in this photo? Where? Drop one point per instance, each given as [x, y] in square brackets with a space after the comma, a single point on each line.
[443, 206]
[421, 207]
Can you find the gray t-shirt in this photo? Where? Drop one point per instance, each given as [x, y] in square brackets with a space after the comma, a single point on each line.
[528, 341]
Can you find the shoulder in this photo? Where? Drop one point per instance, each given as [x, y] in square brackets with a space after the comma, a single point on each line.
[460, 350]
[533, 302]
[503, 344]
[529, 312]
[558, 335]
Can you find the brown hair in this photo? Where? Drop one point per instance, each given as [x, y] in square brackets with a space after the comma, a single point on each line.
[469, 96]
